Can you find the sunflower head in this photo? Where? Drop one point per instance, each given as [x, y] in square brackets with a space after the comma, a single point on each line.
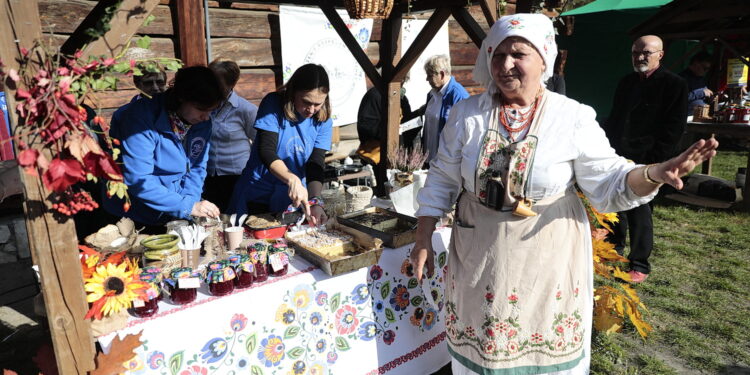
[112, 288]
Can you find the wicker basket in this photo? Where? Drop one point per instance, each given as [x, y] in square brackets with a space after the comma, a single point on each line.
[376, 9]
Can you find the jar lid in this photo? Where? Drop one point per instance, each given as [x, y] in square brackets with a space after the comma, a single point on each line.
[219, 271]
[182, 273]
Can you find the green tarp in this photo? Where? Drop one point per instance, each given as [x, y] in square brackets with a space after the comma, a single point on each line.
[606, 5]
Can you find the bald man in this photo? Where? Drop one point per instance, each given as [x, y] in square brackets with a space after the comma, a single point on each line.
[648, 117]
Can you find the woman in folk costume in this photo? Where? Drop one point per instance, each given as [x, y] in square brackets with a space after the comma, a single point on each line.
[520, 280]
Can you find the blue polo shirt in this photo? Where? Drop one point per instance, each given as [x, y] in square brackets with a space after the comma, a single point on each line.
[296, 142]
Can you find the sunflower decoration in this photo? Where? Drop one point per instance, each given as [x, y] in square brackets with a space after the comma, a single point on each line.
[113, 287]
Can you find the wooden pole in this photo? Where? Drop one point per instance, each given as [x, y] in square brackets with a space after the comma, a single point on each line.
[390, 55]
[53, 244]
[190, 31]
[470, 25]
[489, 9]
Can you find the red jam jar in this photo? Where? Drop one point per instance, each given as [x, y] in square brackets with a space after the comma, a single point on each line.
[258, 255]
[145, 309]
[156, 271]
[220, 278]
[244, 270]
[179, 294]
[278, 252]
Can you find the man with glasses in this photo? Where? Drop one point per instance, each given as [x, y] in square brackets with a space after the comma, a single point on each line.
[648, 117]
[695, 76]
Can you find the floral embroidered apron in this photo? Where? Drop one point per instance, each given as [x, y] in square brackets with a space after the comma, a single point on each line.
[519, 291]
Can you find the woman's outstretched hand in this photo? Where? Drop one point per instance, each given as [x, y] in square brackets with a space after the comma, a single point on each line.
[670, 171]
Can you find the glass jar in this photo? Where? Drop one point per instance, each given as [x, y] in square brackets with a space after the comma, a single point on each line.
[148, 308]
[278, 253]
[220, 278]
[244, 270]
[156, 271]
[258, 252]
[184, 292]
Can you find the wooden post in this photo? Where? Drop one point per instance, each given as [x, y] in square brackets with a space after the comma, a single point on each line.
[190, 31]
[470, 25]
[390, 54]
[125, 22]
[53, 244]
[489, 9]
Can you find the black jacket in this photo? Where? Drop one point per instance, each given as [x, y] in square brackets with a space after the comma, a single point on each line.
[648, 116]
[369, 115]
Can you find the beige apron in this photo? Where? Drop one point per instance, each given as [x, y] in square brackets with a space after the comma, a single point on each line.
[519, 288]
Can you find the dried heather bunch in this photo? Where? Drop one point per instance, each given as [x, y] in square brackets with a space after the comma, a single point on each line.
[408, 160]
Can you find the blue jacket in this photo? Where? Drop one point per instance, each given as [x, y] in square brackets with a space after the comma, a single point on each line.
[164, 176]
[453, 94]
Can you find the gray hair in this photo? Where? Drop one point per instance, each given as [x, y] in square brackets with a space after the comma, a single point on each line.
[438, 63]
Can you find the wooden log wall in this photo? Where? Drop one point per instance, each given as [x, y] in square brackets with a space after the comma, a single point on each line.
[246, 33]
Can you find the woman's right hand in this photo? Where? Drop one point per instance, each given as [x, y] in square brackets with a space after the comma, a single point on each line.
[298, 193]
[205, 208]
[422, 254]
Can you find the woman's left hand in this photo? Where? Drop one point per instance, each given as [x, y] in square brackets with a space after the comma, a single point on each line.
[670, 171]
[317, 216]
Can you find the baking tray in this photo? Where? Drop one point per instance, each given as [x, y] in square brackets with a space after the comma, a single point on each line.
[392, 240]
[373, 248]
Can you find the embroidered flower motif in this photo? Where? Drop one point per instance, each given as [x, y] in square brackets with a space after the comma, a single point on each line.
[511, 347]
[489, 347]
[271, 351]
[389, 336]
[511, 333]
[502, 327]
[489, 332]
[376, 272]
[489, 50]
[407, 269]
[575, 292]
[569, 321]
[368, 331]
[558, 296]
[577, 338]
[321, 298]
[238, 323]
[346, 320]
[214, 350]
[285, 314]
[430, 317]
[537, 338]
[332, 357]
[399, 298]
[155, 360]
[469, 331]
[320, 346]
[360, 294]
[302, 296]
[315, 318]
[560, 344]
[416, 318]
[521, 166]
[298, 368]
[489, 297]
[195, 370]
[559, 330]
[512, 299]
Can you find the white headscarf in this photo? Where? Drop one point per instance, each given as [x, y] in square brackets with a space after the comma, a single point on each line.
[536, 28]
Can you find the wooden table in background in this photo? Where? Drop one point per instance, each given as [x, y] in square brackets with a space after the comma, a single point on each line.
[738, 131]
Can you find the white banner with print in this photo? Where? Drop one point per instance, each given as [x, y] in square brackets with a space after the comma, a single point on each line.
[308, 37]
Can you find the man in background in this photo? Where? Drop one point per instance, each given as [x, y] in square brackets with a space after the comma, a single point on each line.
[695, 76]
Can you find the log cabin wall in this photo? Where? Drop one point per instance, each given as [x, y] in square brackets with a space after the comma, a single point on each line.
[246, 33]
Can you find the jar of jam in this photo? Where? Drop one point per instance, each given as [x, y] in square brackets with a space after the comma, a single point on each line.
[183, 285]
[258, 252]
[157, 272]
[220, 278]
[244, 270]
[148, 308]
[279, 255]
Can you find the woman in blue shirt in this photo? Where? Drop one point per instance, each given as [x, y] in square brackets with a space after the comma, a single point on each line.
[293, 134]
[165, 143]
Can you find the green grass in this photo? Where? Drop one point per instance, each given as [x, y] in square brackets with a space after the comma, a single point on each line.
[698, 293]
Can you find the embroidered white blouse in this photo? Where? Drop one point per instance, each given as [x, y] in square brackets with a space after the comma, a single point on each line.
[572, 149]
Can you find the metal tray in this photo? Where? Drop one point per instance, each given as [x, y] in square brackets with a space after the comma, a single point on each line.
[392, 240]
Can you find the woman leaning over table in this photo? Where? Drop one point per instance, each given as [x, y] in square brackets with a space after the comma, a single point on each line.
[165, 142]
[520, 280]
[294, 130]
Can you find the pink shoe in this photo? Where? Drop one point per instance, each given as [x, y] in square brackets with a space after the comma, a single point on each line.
[637, 277]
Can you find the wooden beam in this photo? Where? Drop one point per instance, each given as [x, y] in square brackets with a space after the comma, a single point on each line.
[470, 25]
[704, 33]
[736, 53]
[53, 244]
[416, 48]
[689, 53]
[124, 24]
[711, 13]
[346, 36]
[390, 54]
[661, 17]
[190, 31]
[489, 8]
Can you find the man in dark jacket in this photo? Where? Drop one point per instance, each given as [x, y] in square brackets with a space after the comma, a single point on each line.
[648, 117]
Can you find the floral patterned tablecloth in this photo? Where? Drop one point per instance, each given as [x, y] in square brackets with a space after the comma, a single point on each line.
[375, 320]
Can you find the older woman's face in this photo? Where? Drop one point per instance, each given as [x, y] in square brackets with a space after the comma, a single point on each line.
[308, 103]
[516, 65]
